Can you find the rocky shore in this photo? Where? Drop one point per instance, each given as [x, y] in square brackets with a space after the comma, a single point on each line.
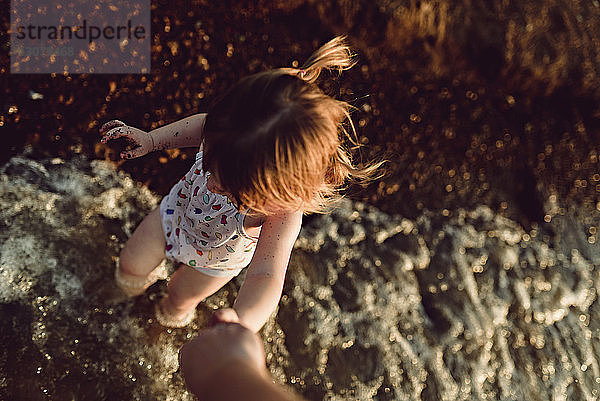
[461, 305]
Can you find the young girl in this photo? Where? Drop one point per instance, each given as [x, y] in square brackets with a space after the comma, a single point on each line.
[271, 150]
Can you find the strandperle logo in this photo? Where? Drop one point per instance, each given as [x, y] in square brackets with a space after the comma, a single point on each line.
[83, 37]
[81, 32]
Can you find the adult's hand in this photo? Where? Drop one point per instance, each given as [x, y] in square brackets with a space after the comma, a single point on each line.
[215, 351]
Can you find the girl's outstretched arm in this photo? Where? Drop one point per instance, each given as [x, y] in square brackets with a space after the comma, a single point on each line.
[180, 134]
[184, 133]
[260, 293]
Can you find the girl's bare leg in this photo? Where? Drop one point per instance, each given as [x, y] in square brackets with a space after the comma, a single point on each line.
[142, 253]
[145, 250]
[187, 288]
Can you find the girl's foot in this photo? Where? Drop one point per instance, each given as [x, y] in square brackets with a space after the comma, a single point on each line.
[167, 316]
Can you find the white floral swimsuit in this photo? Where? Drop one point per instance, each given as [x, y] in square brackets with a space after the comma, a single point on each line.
[204, 230]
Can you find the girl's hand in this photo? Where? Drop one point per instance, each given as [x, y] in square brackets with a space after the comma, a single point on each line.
[227, 315]
[138, 142]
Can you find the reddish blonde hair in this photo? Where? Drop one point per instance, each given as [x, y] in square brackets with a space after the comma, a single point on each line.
[277, 142]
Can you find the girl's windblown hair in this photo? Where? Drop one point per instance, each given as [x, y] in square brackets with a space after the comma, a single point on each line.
[333, 55]
[277, 143]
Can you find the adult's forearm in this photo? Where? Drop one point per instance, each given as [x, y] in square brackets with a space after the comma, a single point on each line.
[186, 132]
[241, 381]
[257, 299]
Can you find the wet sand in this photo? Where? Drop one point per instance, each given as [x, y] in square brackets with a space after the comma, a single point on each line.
[505, 120]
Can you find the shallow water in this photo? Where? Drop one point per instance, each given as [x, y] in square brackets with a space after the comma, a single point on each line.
[460, 307]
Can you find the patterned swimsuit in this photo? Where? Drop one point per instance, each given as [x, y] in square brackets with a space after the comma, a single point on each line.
[204, 230]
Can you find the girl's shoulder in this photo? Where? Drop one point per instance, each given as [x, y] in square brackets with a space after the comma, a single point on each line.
[292, 220]
[284, 217]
